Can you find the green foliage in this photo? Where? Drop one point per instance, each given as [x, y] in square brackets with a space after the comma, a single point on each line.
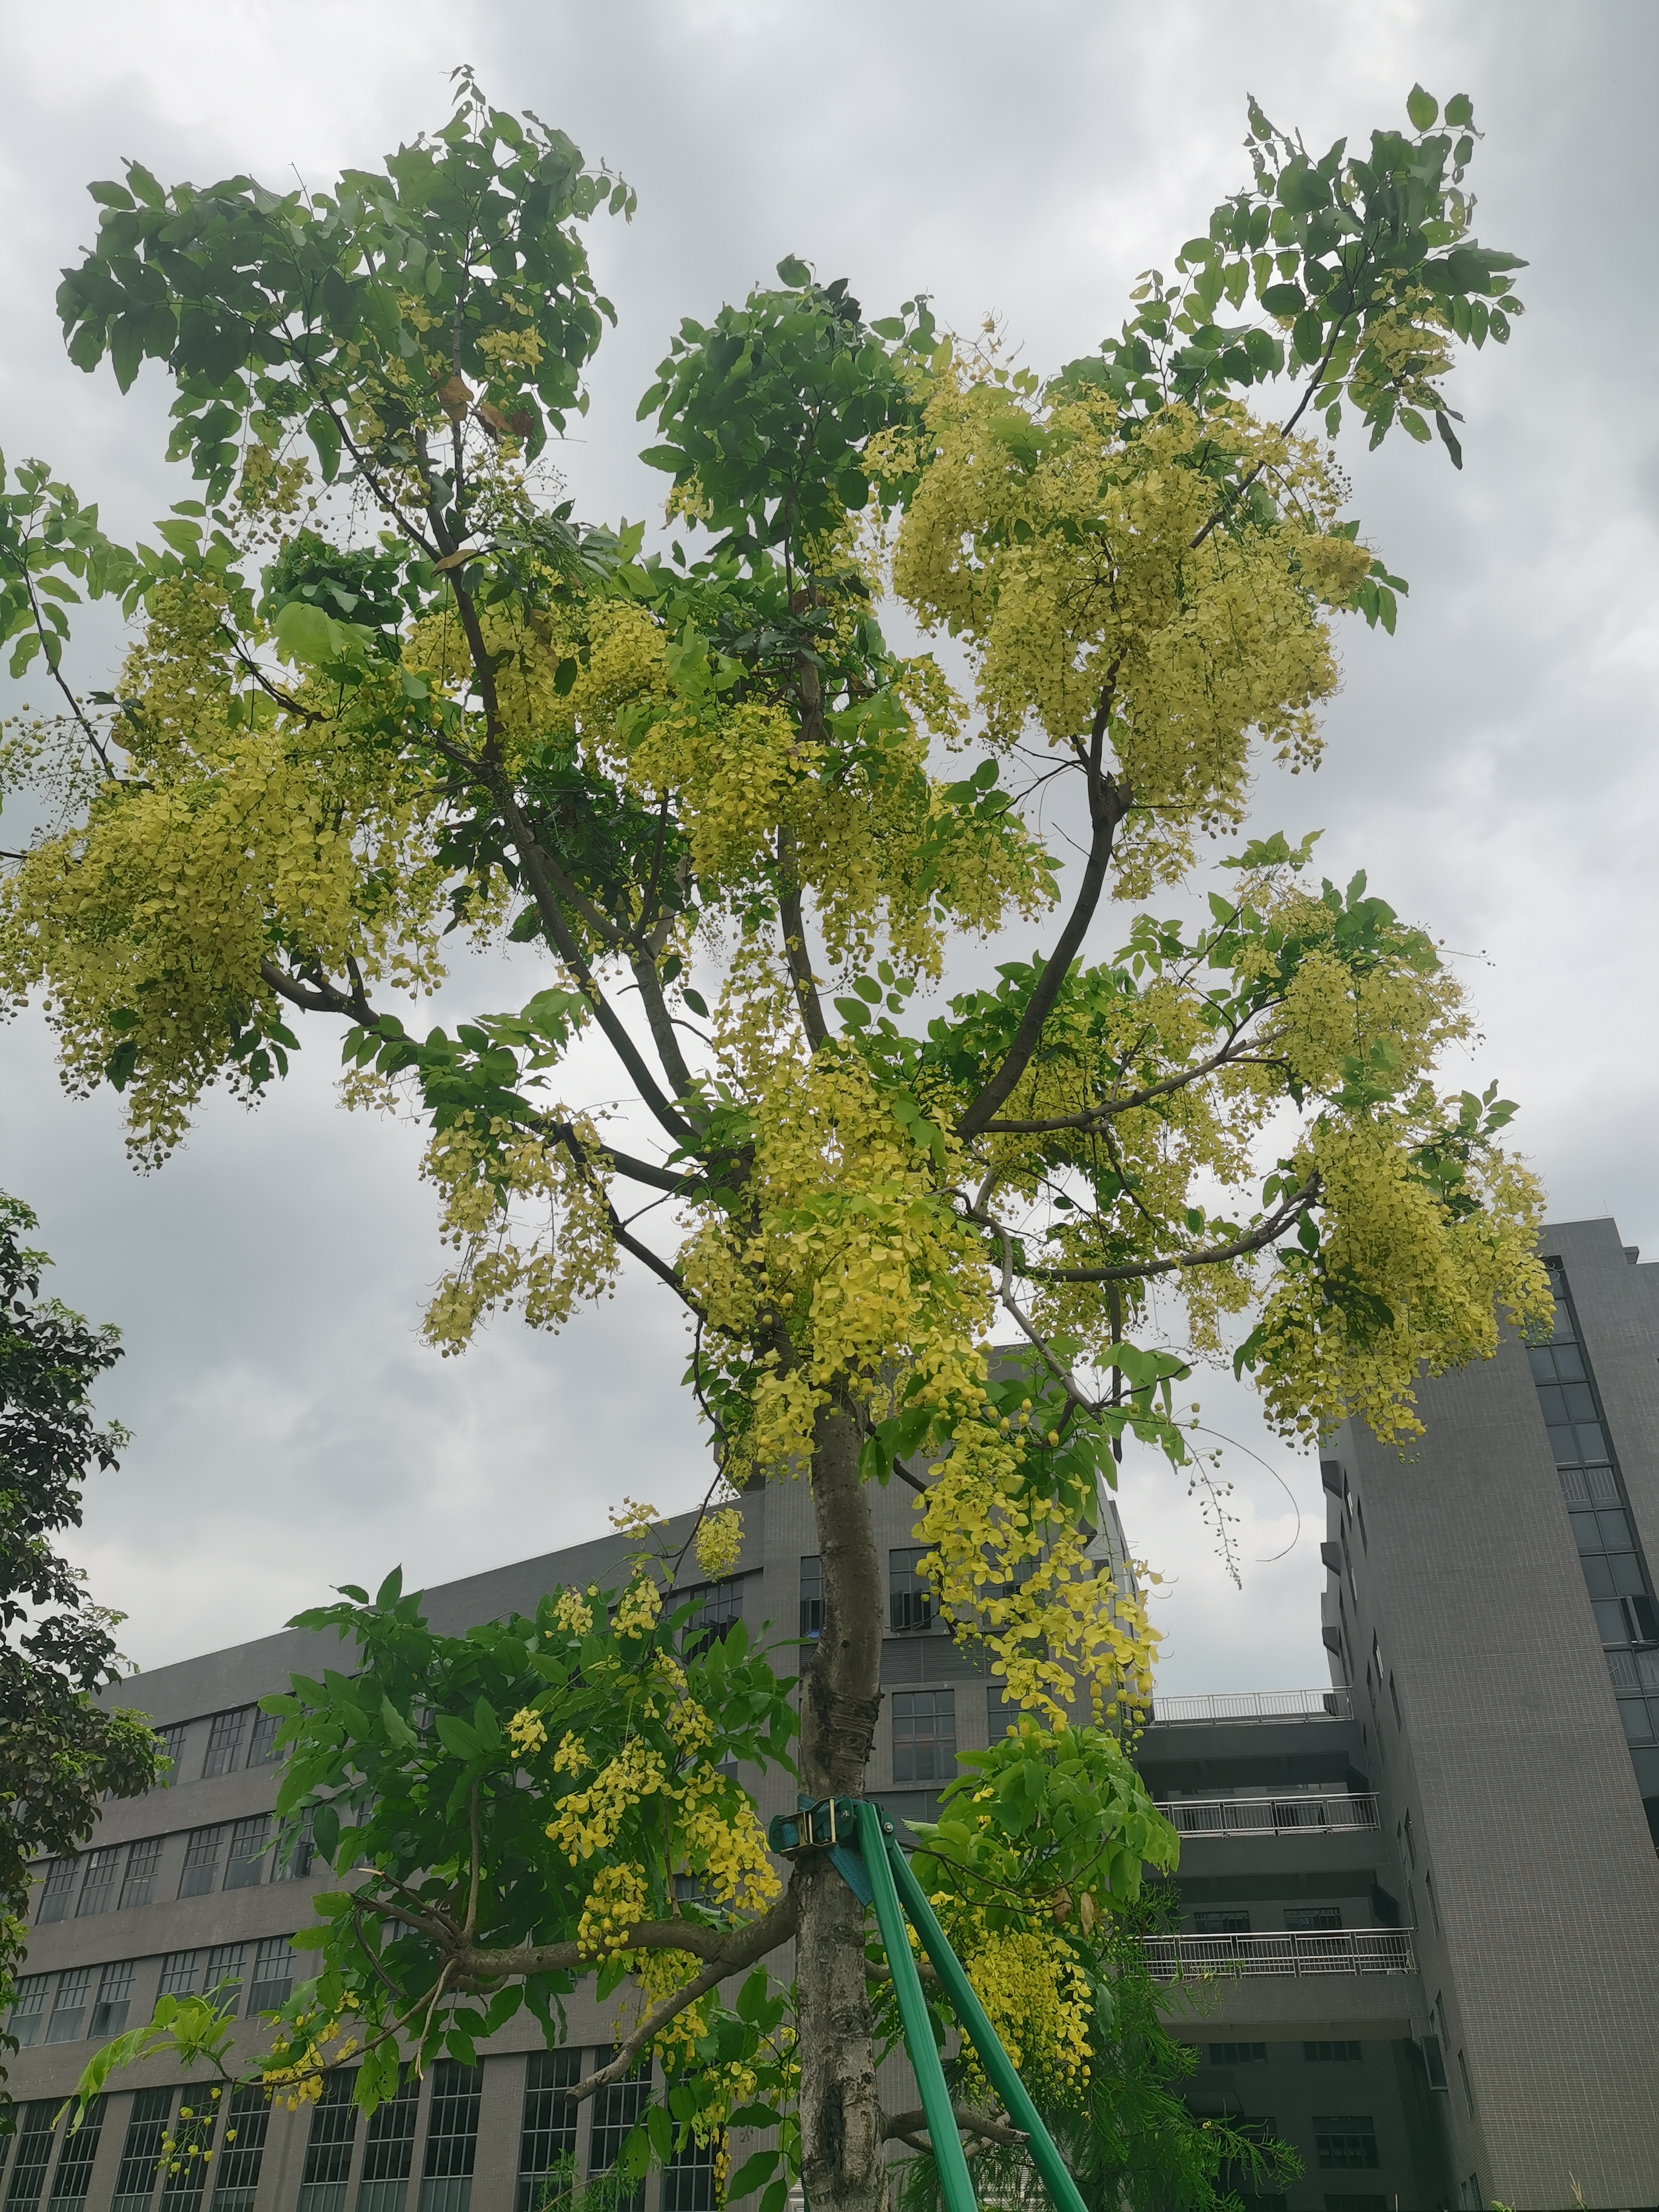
[61, 1753]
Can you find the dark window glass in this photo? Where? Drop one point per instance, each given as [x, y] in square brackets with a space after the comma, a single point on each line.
[135, 2178]
[1332, 2054]
[688, 2180]
[328, 2148]
[273, 1975]
[812, 1595]
[109, 2014]
[1553, 1405]
[138, 1882]
[1305, 1919]
[221, 1970]
[171, 1741]
[29, 2006]
[1581, 1406]
[28, 2165]
[73, 2178]
[451, 2138]
[616, 2109]
[98, 1881]
[719, 1605]
[181, 1973]
[910, 1595]
[245, 1867]
[1645, 1615]
[1610, 1622]
[69, 2008]
[1234, 1920]
[201, 1862]
[56, 1889]
[1238, 2054]
[1468, 2089]
[291, 1860]
[262, 1743]
[1585, 1534]
[388, 2150]
[242, 2152]
[548, 2136]
[1615, 1530]
[1638, 1719]
[924, 1735]
[1542, 1362]
[225, 1733]
[1345, 2140]
[185, 2172]
[1598, 1577]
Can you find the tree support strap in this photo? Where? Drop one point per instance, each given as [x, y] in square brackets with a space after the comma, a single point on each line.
[863, 1846]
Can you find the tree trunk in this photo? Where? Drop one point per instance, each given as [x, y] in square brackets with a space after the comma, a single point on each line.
[842, 2169]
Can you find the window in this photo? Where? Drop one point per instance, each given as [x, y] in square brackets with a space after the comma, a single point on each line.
[73, 2178]
[910, 1595]
[1434, 2063]
[201, 1872]
[1469, 2192]
[262, 1745]
[171, 1743]
[548, 2136]
[98, 1882]
[688, 2180]
[1312, 1919]
[812, 1595]
[1238, 2054]
[56, 1885]
[28, 2004]
[1411, 1841]
[69, 2010]
[245, 1867]
[147, 2123]
[109, 2014]
[1347, 2141]
[719, 1605]
[291, 1860]
[273, 1975]
[225, 1733]
[616, 2109]
[28, 2168]
[223, 1967]
[1332, 2054]
[328, 2148]
[1359, 1517]
[451, 2138]
[243, 2151]
[1000, 1715]
[388, 2150]
[185, 2172]
[924, 1735]
[181, 1973]
[1234, 1920]
[1434, 1901]
[138, 1883]
[1463, 2075]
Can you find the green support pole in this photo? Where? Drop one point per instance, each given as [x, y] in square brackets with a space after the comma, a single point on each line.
[999, 2069]
[948, 2153]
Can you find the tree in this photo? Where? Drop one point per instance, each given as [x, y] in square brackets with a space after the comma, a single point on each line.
[60, 1751]
[749, 836]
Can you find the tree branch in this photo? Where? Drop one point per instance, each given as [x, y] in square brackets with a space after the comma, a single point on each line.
[1108, 805]
[912, 2127]
[794, 940]
[1212, 1255]
[773, 1928]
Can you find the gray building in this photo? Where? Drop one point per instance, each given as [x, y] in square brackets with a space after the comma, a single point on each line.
[1418, 1909]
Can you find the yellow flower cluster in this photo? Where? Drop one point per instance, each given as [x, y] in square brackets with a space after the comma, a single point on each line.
[571, 1757]
[718, 1542]
[588, 1821]
[574, 1613]
[527, 1733]
[615, 1905]
[1037, 1997]
[639, 1607]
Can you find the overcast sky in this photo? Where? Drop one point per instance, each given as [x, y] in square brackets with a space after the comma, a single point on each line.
[1490, 766]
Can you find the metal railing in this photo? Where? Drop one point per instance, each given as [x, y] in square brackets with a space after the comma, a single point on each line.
[1269, 1816]
[1343, 1951]
[1257, 1705]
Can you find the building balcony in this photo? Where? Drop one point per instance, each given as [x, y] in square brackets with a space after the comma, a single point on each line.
[1271, 1816]
[1281, 1957]
[1255, 1705]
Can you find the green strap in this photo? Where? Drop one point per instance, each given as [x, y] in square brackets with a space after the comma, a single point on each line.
[999, 2069]
[948, 2155]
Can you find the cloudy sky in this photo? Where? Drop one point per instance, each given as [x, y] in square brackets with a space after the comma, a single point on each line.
[1490, 766]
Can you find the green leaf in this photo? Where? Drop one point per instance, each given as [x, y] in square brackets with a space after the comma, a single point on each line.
[793, 272]
[1308, 335]
[750, 2174]
[1423, 107]
[1460, 110]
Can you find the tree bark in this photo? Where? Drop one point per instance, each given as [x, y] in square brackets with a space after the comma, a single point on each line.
[842, 2168]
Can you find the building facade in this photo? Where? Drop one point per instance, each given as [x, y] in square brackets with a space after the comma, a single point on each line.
[1420, 1910]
